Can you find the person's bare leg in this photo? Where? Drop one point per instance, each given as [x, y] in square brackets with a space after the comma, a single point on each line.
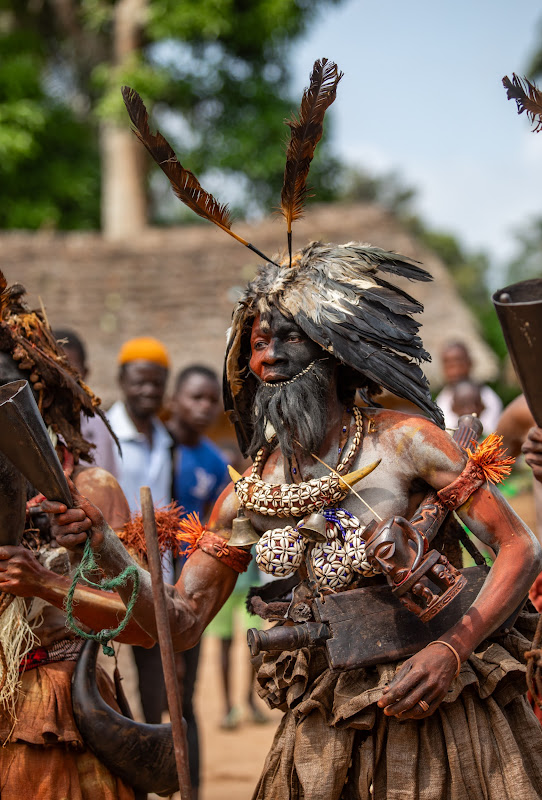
[225, 650]
[231, 717]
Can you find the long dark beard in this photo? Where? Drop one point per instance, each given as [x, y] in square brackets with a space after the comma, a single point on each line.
[296, 409]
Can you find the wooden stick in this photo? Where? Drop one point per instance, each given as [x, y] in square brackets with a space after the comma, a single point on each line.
[166, 644]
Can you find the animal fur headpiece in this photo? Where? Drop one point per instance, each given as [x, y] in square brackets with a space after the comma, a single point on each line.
[61, 395]
[335, 293]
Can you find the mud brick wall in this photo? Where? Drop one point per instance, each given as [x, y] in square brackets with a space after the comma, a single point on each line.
[180, 285]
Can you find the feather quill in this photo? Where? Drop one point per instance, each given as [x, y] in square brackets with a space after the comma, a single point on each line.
[528, 98]
[184, 183]
[306, 132]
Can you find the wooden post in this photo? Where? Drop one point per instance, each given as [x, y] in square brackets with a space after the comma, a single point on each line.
[166, 644]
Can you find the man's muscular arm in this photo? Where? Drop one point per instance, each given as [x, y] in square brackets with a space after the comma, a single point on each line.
[427, 675]
[22, 574]
[204, 586]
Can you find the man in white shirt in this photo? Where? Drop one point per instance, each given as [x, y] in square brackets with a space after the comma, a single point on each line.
[456, 366]
[146, 461]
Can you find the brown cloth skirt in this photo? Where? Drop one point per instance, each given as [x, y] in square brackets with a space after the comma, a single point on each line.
[45, 757]
[334, 743]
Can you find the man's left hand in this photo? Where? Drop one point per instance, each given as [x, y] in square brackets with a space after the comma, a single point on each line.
[425, 677]
[20, 572]
[532, 448]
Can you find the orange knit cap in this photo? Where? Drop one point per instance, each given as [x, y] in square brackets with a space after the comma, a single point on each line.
[145, 348]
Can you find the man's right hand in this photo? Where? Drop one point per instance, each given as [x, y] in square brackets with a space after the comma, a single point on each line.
[72, 526]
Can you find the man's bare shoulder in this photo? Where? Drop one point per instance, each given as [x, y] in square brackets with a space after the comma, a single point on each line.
[103, 489]
[516, 414]
[417, 444]
[224, 511]
[383, 419]
[91, 475]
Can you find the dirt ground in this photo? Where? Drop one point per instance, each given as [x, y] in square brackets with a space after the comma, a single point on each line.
[232, 760]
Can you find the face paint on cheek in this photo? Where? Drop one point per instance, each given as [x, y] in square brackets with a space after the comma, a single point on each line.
[260, 331]
[255, 363]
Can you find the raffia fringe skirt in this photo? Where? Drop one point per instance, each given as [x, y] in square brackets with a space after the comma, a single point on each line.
[483, 742]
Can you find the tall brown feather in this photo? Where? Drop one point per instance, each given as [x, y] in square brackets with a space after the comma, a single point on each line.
[306, 132]
[185, 184]
[528, 98]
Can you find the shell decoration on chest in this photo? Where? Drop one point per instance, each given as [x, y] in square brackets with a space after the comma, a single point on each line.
[327, 534]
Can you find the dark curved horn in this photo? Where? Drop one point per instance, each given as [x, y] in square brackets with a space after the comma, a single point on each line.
[12, 502]
[141, 755]
[519, 309]
[25, 441]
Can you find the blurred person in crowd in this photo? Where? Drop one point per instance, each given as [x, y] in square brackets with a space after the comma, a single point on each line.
[467, 399]
[146, 461]
[234, 613]
[456, 367]
[199, 475]
[520, 434]
[92, 428]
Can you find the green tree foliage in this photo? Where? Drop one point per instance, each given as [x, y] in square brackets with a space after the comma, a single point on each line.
[469, 270]
[534, 67]
[216, 70]
[388, 190]
[527, 263]
[49, 171]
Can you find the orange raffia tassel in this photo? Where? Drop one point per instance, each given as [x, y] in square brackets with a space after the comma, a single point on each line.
[168, 526]
[489, 458]
[191, 529]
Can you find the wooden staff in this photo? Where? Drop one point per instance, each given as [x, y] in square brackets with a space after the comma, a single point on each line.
[166, 644]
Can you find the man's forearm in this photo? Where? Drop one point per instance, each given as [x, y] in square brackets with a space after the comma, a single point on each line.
[96, 609]
[517, 564]
[203, 588]
[112, 558]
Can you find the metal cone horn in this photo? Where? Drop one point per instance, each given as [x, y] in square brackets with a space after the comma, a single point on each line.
[26, 443]
[519, 309]
[142, 755]
[12, 503]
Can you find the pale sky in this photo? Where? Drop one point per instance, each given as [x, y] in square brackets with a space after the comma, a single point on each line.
[422, 94]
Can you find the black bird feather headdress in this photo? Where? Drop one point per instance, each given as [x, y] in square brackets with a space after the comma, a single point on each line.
[339, 298]
[337, 294]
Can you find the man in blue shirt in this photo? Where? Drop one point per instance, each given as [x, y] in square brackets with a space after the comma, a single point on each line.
[146, 461]
[200, 474]
[200, 471]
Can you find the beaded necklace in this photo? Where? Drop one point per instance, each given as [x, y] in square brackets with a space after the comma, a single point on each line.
[297, 499]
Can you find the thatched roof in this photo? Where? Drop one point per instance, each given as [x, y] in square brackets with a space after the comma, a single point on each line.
[180, 285]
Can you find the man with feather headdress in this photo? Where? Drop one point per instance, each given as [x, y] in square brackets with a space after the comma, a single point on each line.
[43, 753]
[314, 330]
